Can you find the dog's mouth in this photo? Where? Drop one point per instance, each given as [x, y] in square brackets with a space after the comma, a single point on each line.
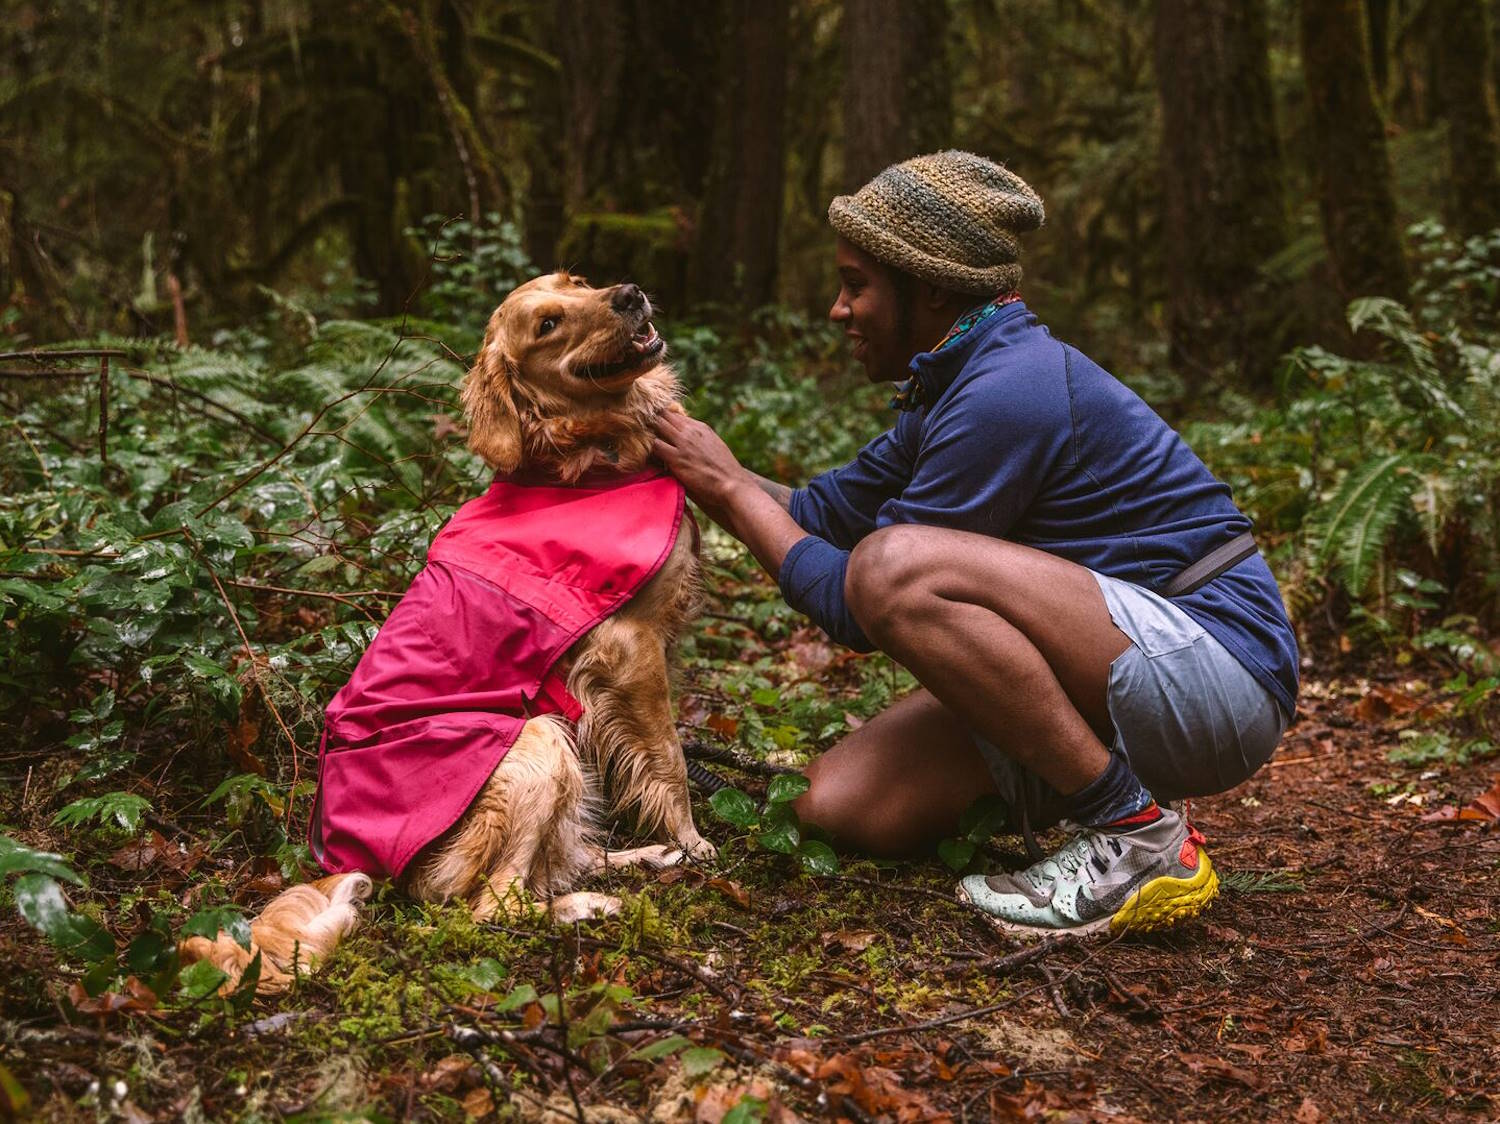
[643, 349]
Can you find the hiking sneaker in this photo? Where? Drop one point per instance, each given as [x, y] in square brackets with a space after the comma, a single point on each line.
[1149, 878]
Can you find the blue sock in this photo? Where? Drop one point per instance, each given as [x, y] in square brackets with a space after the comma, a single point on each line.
[1115, 798]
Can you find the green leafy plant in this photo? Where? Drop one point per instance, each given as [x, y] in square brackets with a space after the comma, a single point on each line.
[981, 820]
[43, 905]
[775, 825]
[122, 809]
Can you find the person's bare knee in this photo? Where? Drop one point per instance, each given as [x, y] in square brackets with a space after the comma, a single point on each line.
[887, 579]
[859, 814]
[825, 804]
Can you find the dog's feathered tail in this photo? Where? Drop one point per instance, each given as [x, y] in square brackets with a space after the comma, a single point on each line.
[299, 928]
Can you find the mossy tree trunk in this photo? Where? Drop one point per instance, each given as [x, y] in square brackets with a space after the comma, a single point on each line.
[1459, 39]
[898, 85]
[740, 220]
[1352, 168]
[1224, 214]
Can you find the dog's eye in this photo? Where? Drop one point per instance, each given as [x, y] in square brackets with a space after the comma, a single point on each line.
[546, 326]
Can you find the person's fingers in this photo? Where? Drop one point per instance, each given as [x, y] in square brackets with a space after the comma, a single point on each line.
[669, 422]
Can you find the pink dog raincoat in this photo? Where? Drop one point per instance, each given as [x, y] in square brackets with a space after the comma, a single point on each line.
[471, 650]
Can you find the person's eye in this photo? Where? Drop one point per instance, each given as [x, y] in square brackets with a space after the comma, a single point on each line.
[546, 325]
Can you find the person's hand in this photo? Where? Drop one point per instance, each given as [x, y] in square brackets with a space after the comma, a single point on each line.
[698, 457]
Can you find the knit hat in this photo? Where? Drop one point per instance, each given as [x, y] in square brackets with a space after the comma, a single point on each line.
[951, 218]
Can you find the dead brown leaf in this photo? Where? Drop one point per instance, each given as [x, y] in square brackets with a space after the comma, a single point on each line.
[1206, 1065]
[1380, 703]
[135, 997]
[849, 940]
[141, 853]
[1484, 808]
[448, 1073]
[732, 890]
[721, 724]
[1307, 1112]
[478, 1104]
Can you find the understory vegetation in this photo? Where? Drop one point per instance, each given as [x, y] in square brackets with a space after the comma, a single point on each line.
[196, 545]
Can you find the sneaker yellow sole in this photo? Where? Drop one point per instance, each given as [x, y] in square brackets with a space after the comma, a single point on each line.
[1159, 904]
[1164, 902]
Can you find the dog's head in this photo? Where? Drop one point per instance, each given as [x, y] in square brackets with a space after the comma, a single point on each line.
[569, 376]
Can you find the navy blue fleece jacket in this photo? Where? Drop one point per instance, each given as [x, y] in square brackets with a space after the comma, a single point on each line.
[1026, 439]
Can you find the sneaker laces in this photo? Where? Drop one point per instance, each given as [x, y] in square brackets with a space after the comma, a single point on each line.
[1086, 845]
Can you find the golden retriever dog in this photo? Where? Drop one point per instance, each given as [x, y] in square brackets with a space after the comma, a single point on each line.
[567, 383]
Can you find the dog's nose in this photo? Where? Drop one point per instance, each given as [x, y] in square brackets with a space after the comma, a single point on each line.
[627, 298]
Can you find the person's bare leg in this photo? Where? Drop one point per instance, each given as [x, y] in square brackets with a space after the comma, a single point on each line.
[1014, 641]
[899, 782]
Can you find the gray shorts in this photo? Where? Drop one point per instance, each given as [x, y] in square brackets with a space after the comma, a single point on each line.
[1188, 717]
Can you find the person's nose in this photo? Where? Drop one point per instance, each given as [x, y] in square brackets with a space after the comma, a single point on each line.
[840, 311]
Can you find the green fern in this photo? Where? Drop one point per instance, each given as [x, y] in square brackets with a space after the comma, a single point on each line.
[1354, 528]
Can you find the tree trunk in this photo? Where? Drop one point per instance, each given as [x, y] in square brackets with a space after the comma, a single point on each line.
[1465, 95]
[1378, 20]
[590, 38]
[739, 223]
[1353, 170]
[898, 88]
[1223, 208]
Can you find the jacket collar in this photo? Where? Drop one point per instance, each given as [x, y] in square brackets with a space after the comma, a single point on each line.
[936, 370]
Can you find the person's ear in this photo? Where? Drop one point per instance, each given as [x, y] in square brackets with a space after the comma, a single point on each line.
[937, 297]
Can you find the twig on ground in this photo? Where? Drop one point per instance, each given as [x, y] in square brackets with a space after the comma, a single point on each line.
[1054, 992]
[703, 751]
[1341, 811]
[562, 1024]
[686, 967]
[472, 1042]
[1130, 997]
[995, 965]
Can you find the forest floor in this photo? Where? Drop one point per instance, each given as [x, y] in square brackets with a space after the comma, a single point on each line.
[1349, 970]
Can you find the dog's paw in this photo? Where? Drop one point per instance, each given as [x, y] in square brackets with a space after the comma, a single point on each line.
[659, 856]
[699, 849]
[583, 905]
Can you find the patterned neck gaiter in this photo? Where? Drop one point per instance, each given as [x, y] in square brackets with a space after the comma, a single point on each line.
[913, 392]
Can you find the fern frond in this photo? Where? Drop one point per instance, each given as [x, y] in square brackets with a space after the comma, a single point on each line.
[1353, 529]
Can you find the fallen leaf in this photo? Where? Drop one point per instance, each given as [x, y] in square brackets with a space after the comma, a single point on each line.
[1485, 806]
[726, 727]
[1380, 703]
[478, 1103]
[242, 735]
[135, 997]
[448, 1073]
[850, 940]
[1209, 1066]
[1307, 1112]
[139, 854]
[812, 655]
[732, 890]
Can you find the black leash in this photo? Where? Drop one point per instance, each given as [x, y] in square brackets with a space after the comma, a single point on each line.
[704, 780]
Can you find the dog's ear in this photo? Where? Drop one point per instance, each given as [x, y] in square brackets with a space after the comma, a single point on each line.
[494, 424]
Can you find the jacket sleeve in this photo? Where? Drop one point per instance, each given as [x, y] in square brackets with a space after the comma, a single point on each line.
[981, 461]
[812, 581]
[837, 509]
[841, 505]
